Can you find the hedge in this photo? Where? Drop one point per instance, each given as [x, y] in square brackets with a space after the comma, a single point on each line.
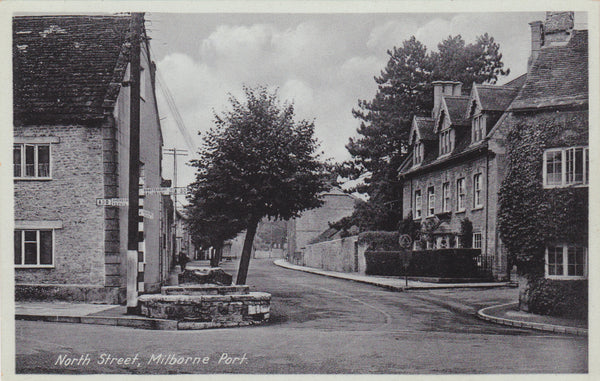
[443, 263]
[380, 240]
[563, 298]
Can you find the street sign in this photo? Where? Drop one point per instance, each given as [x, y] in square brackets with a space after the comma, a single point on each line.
[165, 190]
[112, 201]
[146, 214]
[405, 241]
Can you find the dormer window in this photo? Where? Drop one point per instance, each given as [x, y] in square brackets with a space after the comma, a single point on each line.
[446, 141]
[419, 153]
[478, 128]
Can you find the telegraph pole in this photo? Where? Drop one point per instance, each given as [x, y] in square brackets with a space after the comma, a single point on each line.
[175, 152]
[134, 164]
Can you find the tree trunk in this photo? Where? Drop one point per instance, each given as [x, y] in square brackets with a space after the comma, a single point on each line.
[214, 259]
[246, 252]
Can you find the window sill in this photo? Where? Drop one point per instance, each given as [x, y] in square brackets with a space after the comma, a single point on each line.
[34, 266]
[32, 178]
[566, 186]
[566, 277]
[460, 211]
[477, 208]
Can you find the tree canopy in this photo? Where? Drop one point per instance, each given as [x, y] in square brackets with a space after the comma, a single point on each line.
[257, 161]
[405, 90]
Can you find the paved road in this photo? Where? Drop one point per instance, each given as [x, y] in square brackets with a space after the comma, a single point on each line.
[319, 325]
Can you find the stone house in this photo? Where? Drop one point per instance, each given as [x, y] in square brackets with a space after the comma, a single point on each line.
[311, 223]
[457, 162]
[71, 148]
[545, 198]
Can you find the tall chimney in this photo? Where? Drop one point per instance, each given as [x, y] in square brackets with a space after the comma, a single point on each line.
[558, 27]
[537, 41]
[443, 88]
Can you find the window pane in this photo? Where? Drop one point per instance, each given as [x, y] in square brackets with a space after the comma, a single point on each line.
[30, 253]
[46, 247]
[17, 164]
[555, 261]
[579, 165]
[43, 161]
[29, 161]
[30, 236]
[18, 243]
[554, 167]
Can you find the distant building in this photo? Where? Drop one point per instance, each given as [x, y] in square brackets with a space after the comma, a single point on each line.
[302, 230]
[71, 147]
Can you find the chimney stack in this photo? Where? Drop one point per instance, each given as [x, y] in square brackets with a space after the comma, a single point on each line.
[555, 30]
[443, 88]
[558, 27]
[537, 41]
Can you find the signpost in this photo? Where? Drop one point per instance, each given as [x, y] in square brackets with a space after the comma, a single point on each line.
[165, 190]
[405, 242]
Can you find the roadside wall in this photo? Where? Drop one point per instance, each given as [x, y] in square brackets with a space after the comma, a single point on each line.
[342, 255]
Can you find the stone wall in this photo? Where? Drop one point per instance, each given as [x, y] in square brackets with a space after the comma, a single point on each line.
[342, 255]
[69, 197]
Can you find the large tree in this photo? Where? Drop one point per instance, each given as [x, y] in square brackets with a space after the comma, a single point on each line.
[258, 161]
[405, 90]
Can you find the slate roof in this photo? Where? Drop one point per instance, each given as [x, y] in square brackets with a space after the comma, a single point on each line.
[426, 126]
[558, 77]
[496, 98]
[457, 105]
[66, 69]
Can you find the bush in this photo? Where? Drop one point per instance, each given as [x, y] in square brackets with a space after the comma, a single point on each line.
[563, 298]
[443, 263]
[380, 240]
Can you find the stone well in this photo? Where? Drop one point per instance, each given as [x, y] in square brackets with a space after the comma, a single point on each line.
[207, 305]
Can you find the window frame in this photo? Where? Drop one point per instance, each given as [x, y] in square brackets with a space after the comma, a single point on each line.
[446, 141]
[477, 191]
[36, 163]
[563, 167]
[418, 205]
[565, 263]
[418, 153]
[431, 201]
[461, 194]
[37, 265]
[480, 240]
[446, 197]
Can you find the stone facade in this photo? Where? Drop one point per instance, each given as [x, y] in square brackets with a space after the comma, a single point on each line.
[87, 129]
[78, 240]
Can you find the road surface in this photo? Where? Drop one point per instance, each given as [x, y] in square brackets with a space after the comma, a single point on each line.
[318, 325]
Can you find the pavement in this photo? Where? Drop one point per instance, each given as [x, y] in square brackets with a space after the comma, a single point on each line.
[392, 283]
[116, 315]
[505, 314]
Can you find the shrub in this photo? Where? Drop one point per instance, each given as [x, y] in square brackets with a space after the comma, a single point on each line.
[466, 233]
[380, 240]
[563, 298]
[444, 263]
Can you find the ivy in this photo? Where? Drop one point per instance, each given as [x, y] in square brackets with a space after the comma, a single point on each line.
[531, 217]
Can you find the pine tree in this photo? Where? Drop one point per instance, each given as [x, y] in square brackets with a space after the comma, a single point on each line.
[405, 90]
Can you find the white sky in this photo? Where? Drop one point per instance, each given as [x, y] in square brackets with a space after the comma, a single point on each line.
[323, 62]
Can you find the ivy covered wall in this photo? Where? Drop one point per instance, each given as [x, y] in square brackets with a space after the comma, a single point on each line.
[531, 217]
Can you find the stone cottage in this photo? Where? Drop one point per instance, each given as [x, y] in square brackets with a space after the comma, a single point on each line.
[453, 173]
[71, 151]
[544, 199]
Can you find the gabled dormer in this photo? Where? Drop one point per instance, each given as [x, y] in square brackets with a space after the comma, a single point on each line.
[449, 120]
[420, 138]
[486, 104]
